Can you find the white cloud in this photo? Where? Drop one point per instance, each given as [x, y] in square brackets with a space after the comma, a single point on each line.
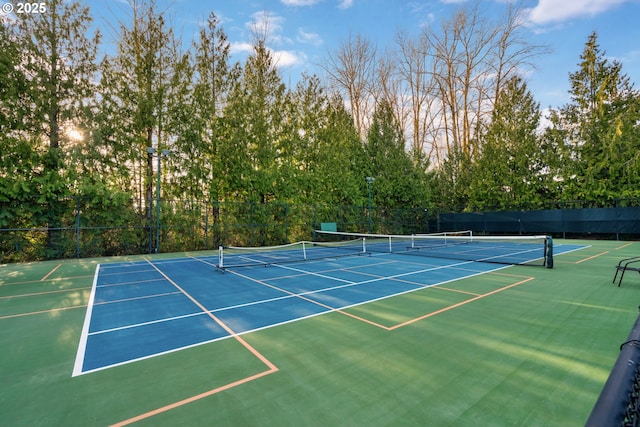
[554, 11]
[241, 47]
[266, 24]
[281, 58]
[309, 38]
[342, 4]
[286, 58]
[270, 27]
[299, 2]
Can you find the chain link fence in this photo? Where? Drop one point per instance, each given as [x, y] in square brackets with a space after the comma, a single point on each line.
[93, 227]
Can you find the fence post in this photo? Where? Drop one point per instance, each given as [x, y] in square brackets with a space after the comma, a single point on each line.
[315, 220]
[251, 238]
[286, 222]
[206, 226]
[77, 226]
[150, 215]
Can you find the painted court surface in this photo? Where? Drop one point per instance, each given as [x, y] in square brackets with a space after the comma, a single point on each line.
[362, 340]
[145, 308]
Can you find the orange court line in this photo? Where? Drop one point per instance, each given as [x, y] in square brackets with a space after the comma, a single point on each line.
[443, 288]
[362, 319]
[50, 273]
[592, 257]
[272, 368]
[35, 294]
[192, 399]
[53, 310]
[218, 321]
[26, 282]
[434, 313]
[451, 307]
[270, 365]
[624, 246]
[501, 273]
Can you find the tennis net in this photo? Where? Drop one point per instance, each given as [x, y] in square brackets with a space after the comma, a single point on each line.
[512, 250]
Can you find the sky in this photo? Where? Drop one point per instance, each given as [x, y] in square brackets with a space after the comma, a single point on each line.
[302, 33]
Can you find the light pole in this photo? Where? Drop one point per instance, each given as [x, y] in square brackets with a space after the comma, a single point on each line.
[370, 181]
[76, 137]
[159, 156]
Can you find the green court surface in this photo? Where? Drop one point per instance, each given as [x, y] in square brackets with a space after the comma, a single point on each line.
[521, 346]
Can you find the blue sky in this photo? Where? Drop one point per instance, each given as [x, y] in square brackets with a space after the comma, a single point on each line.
[303, 32]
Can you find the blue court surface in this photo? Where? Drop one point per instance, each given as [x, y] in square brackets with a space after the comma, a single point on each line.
[146, 308]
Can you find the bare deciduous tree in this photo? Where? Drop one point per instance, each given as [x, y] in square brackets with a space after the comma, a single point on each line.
[415, 68]
[352, 70]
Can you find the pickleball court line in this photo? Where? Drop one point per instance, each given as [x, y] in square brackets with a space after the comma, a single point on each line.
[289, 293]
[418, 284]
[84, 335]
[135, 282]
[51, 272]
[218, 321]
[271, 367]
[193, 398]
[396, 277]
[150, 322]
[35, 294]
[56, 279]
[591, 257]
[32, 313]
[349, 284]
[434, 313]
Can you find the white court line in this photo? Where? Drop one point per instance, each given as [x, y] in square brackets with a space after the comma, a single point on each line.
[141, 297]
[289, 294]
[82, 345]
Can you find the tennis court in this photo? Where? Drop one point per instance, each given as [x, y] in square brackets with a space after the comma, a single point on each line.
[141, 309]
[375, 338]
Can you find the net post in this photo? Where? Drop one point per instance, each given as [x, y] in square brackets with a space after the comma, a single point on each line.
[364, 245]
[390, 247]
[304, 251]
[220, 258]
[548, 249]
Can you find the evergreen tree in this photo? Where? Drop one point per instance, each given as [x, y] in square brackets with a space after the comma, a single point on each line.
[203, 140]
[598, 130]
[19, 160]
[18, 154]
[324, 154]
[341, 164]
[510, 171]
[256, 114]
[452, 181]
[57, 59]
[136, 87]
[399, 182]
